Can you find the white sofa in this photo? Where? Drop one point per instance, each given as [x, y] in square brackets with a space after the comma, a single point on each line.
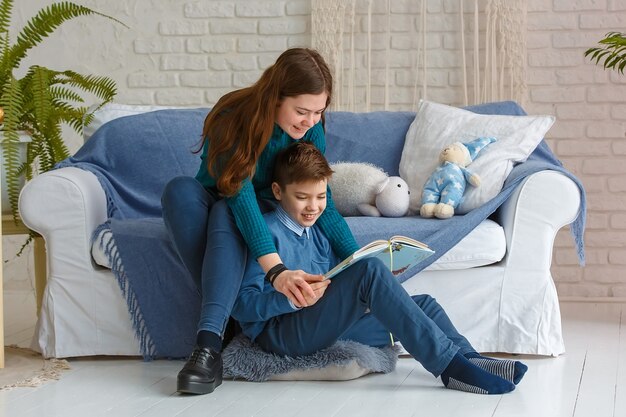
[495, 284]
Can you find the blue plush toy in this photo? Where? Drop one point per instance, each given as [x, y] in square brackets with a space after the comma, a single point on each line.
[443, 191]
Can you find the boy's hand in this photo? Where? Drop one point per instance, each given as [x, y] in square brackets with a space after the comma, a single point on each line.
[295, 285]
[319, 288]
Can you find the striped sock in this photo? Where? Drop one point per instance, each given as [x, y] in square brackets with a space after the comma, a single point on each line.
[462, 375]
[512, 371]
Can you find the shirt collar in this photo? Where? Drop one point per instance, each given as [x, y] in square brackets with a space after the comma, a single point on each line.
[289, 223]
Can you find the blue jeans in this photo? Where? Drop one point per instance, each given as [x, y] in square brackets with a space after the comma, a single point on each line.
[205, 235]
[364, 303]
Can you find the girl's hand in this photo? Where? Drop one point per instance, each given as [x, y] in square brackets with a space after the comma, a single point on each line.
[295, 286]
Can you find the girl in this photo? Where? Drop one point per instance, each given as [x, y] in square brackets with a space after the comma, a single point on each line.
[215, 218]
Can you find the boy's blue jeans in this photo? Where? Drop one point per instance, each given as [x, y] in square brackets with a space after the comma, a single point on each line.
[206, 237]
[364, 303]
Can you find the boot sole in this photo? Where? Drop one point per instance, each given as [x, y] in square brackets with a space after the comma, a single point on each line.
[189, 387]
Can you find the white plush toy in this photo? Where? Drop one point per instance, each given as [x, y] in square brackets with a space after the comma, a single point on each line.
[354, 183]
[360, 188]
[392, 199]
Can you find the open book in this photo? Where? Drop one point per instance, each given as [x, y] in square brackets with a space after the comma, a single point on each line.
[399, 253]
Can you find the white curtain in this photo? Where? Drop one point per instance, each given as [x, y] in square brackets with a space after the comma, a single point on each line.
[387, 53]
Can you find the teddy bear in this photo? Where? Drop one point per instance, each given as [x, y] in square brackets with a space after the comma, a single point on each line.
[443, 190]
[361, 188]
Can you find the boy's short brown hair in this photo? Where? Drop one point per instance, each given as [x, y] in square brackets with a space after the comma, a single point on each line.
[300, 162]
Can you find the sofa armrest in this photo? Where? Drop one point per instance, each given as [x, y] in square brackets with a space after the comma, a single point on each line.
[83, 310]
[64, 206]
[531, 218]
[542, 204]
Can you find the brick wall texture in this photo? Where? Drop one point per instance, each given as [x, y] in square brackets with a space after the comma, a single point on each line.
[189, 53]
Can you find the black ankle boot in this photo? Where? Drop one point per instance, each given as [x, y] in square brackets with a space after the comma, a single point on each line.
[202, 373]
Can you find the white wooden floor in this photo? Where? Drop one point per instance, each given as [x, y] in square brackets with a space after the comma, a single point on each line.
[588, 381]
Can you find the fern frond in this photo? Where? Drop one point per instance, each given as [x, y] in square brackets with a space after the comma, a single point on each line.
[11, 101]
[43, 24]
[89, 115]
[102, 87]
[75, 117]
[51, 147]
[31, 237]
[61, 93]
[57, 148]
[41, 94]
[24, 170]
[32, 155]
[5, 69]
[6, 6]
[67, 113]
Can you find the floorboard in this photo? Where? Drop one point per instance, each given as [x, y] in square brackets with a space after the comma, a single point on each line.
[596, 396]
[588, 380]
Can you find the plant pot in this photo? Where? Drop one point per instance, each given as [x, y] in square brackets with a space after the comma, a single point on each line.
[24, 140]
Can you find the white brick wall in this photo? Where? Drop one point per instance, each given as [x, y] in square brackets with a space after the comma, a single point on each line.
[190, 52]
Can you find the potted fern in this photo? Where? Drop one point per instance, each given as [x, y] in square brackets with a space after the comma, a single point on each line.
[612, 52]
[43, 99]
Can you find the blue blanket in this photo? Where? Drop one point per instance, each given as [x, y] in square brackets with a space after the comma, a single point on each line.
[441, 235]
[133, 158]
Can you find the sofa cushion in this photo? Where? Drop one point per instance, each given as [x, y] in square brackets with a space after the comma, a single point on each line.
[376, 137]
[437, 125]
[485, 245]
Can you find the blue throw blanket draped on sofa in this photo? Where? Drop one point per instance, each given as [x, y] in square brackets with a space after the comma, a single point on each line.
[442, 235]
[133, 157]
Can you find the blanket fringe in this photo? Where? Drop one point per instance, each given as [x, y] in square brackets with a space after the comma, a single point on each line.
[146, 344]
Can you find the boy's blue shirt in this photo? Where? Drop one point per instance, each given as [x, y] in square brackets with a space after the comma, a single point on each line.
[299, 248]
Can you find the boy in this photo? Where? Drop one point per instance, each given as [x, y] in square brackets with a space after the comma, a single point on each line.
[363, 303]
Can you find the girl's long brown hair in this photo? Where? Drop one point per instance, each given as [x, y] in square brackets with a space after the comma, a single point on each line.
[240, 125]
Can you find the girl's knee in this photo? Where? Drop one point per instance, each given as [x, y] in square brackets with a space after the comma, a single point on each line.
[221, 218]
[181, 188]
[221, 209]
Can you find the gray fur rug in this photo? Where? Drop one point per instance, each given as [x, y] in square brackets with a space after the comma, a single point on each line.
[341, 361]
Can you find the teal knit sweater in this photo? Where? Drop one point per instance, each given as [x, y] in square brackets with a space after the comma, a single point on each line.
[246, 209]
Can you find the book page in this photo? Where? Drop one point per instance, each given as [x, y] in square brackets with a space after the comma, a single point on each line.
[409, 241]
[405, 253]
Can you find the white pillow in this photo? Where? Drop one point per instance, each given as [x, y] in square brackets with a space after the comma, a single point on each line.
[112, 111]
[437, 125]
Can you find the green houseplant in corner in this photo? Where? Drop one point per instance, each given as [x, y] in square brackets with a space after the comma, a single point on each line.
[42, 100]
[612, 52]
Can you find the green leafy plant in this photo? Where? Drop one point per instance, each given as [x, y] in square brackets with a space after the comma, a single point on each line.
[612, 52]
[41, 101]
